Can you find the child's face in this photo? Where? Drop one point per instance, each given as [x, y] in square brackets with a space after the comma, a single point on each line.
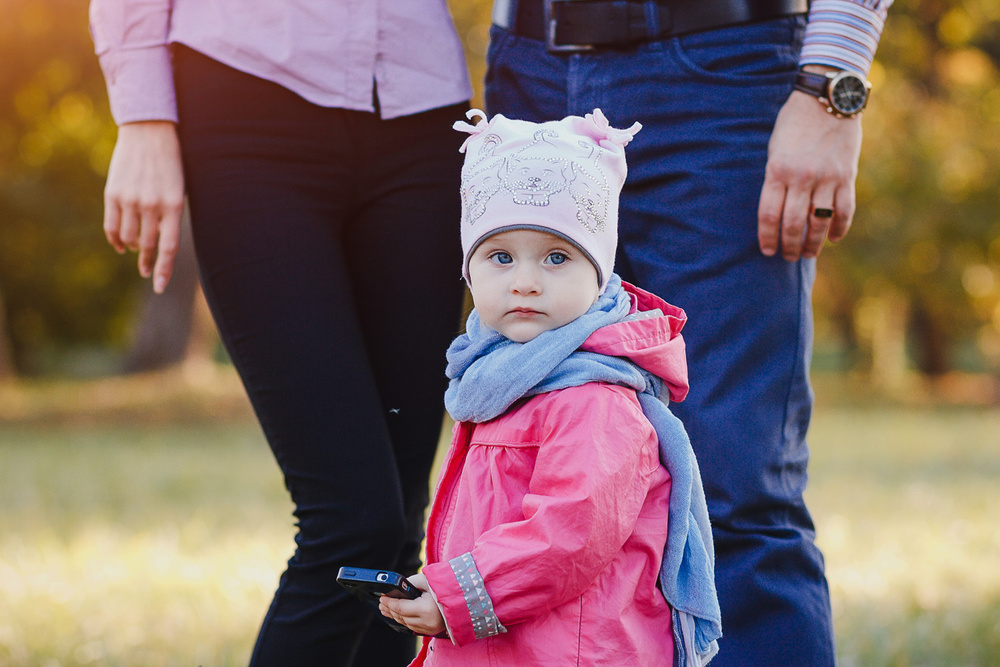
[524, 282]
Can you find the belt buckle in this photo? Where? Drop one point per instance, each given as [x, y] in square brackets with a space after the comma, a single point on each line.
[550, 32]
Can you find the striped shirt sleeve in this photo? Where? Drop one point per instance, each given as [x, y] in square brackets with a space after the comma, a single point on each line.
[844, 33]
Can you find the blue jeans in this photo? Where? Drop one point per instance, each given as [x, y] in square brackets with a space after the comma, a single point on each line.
[688, 232]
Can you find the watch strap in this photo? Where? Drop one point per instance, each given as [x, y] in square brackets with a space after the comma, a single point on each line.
[825, 88]
[812, 83]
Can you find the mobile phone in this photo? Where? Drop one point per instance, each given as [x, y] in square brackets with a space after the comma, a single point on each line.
[369, 585]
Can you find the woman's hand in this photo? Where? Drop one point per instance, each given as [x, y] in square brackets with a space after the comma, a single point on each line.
[144, 197]
[421, 615]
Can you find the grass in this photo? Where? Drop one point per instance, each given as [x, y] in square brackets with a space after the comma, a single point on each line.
[137, 546]
[132, 541]
[906, 505]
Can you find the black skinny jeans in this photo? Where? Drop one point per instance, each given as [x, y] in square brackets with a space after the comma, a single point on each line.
[328, 245]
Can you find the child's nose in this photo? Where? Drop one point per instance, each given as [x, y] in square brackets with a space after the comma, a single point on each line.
[525, 280]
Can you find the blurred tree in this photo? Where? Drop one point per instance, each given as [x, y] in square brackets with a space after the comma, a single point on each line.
[61, 284]
[170, 327]
[916, 282]
[64, 286]
[6, 360]
[472, 20]
[927, 229]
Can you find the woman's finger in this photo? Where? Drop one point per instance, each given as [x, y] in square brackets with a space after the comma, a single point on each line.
[131, 222]
[149, 235]
[166, 252]
[113, 223]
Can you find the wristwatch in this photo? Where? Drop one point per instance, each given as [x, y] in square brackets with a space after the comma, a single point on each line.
[845, 94]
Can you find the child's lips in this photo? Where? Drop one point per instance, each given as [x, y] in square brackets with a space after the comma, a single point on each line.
[527, 312]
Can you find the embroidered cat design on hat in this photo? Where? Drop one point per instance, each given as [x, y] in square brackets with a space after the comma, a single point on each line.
[533, 174]
[533, 180]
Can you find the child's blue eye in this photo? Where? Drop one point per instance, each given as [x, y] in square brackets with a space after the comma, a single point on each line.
[502, 258]
[557, 258]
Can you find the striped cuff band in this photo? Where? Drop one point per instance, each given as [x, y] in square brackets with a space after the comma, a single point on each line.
[484, 621]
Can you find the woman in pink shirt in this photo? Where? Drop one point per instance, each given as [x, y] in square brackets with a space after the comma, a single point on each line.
[313, 142]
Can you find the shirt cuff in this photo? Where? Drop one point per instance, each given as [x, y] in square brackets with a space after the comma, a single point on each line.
[461, 594]
[140, 84]
[842, 34]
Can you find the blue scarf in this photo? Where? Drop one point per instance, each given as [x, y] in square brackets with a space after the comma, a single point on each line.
[489, 372]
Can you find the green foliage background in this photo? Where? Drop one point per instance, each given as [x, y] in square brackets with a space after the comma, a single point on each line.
[60, 284]
[920, 270]
[927, 231]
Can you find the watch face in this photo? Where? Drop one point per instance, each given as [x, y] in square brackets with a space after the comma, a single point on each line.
[848, 94]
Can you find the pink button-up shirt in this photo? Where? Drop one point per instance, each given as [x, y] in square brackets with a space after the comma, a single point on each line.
[327, 51]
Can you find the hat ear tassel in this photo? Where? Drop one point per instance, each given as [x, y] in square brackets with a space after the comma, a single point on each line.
[473, 130]
[612, 135]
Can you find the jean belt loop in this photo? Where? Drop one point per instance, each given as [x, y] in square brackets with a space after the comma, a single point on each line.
[504, 12]
[653, 28]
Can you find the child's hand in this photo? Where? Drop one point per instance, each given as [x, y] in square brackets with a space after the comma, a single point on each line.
[421, 615]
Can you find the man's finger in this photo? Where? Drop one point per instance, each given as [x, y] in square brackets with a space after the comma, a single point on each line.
[772, 200]
[820, 216]
[793, 224]
[843, 215]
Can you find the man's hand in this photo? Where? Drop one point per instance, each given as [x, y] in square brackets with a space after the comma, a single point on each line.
[421, 615]
[144, 197]
[812, 164]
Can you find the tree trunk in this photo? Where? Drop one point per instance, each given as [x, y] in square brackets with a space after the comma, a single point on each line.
[203, 340]
[165, 328]
[7, 369]
[889, 341]
[930, 342]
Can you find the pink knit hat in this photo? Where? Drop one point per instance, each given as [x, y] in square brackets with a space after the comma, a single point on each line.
[563, 177]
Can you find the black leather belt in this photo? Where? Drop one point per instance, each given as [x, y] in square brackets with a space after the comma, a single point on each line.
[584, 25]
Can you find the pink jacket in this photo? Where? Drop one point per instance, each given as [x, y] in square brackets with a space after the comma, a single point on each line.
[549, 522]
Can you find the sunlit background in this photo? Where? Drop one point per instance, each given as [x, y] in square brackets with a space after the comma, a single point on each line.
[143, 520]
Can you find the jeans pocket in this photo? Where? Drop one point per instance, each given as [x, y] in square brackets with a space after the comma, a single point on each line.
[743, 53]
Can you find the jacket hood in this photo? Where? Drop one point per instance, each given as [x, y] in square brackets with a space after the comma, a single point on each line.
[650, 338]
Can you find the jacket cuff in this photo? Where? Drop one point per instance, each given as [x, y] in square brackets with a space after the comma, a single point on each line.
[842, 34]
[463, 599]
[140, 84]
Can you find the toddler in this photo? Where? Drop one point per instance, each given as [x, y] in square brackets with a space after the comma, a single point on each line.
[569, 524]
